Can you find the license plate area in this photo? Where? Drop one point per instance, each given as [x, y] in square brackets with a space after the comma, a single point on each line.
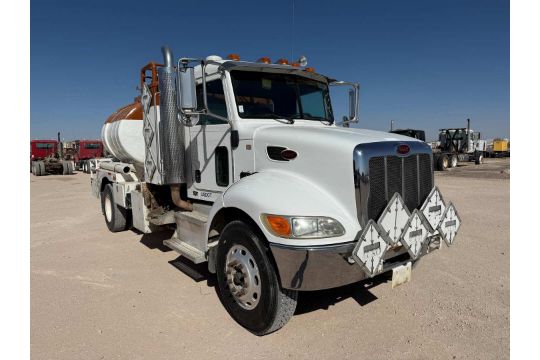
[401, 274]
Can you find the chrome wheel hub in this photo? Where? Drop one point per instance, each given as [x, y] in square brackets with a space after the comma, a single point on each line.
[243, 277]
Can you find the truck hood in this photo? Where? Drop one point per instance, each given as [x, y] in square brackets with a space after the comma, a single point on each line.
[322, 135]
[325, 156]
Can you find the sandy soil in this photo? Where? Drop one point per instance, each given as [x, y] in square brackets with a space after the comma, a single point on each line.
[99, 295]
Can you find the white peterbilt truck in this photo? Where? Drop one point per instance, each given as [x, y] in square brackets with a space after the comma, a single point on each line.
[245, 162]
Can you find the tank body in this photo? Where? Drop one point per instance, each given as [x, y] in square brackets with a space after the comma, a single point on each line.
[122, 134]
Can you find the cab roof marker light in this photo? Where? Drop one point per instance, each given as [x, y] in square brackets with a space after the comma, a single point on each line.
[234, 57]
[264, 60]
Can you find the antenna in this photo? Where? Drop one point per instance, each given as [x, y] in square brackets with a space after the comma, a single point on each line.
[292, 33]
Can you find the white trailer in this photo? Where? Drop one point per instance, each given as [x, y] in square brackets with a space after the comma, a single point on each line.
[245, 162]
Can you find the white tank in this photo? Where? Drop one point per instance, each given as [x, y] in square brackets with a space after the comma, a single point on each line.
[122, 134]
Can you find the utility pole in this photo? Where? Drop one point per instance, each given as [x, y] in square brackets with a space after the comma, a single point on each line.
[391, 125]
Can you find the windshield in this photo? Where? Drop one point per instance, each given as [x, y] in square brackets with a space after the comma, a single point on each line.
[264, 95]
[91, 146]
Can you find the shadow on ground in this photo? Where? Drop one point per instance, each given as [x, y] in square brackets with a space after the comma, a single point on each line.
[155, 240]
[308, 301]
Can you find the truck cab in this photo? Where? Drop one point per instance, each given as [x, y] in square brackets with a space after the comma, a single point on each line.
[245, 161]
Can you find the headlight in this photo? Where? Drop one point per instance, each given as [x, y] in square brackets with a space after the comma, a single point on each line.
[303, 227]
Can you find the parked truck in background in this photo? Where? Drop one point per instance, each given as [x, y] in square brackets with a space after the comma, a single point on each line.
[454, 145]
[459, 144]
[46, 157]
[499, 147]
[245, 162]
[86, 150]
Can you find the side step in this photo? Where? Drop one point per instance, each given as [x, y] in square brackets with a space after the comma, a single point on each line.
[195, 255]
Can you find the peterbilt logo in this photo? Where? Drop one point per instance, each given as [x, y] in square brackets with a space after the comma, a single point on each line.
[403, 149]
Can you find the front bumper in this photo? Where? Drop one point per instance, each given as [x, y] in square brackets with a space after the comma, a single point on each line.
[329, 266]
[395, 239]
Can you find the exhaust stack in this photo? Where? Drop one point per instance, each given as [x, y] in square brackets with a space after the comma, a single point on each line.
[171, 131]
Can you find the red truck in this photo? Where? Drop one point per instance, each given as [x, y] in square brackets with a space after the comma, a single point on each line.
[84, 150]
[46, 158]
[56, 157]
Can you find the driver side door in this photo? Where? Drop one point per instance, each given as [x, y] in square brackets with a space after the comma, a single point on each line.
[210, 146]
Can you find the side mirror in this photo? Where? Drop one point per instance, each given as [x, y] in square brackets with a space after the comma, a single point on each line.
[354, 94]
[352, 105]
[187, 86]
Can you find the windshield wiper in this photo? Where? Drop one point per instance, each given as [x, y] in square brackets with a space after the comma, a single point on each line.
[320, 118]
[290, 120]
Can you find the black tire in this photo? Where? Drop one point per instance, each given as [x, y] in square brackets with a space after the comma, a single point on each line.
[275, 305]
[41, 168]
[479, 159]
[442, 163]
[33, 168]
[67, 167]
[453, 161]
[116, 217]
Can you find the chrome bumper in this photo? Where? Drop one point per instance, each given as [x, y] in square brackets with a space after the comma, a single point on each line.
[325, 267]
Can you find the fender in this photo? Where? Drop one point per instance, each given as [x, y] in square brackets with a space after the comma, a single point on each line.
[285, 193]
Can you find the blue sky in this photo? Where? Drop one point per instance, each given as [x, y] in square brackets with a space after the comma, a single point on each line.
[425, 64]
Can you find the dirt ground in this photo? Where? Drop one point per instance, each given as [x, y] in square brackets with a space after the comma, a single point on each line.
[99, 295]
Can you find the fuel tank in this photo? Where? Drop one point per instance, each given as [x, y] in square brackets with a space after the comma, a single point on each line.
[122, 134]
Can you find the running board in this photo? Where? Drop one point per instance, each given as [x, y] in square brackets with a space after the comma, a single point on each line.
[184, 249]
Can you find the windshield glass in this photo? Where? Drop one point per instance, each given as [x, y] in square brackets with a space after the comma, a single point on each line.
[91, 146]
[264, 95]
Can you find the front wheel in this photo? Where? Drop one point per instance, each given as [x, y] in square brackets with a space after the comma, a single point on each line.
[479, 159]
[248, 284]
[442, 163]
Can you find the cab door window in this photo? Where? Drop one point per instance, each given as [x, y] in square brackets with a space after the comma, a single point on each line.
[216, 102]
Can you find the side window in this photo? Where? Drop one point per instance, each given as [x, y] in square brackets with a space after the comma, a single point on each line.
[222, 166]
[216, 102]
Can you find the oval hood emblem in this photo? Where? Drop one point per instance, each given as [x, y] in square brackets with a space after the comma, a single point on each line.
[403, 149]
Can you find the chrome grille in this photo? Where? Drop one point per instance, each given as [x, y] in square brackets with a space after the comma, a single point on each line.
[411, 177]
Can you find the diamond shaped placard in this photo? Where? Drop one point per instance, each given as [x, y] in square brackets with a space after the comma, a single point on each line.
[370, 249]
[415, 233]
[433, 208]
[393, 219]
[450, 224]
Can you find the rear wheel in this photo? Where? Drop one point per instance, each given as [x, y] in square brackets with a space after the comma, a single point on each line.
[38, 168]
[442, 163]
[453, 161]
[116, 217]
[67, 168]
[248, 284]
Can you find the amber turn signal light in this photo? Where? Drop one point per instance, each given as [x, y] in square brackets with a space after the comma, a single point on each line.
[278, 225]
